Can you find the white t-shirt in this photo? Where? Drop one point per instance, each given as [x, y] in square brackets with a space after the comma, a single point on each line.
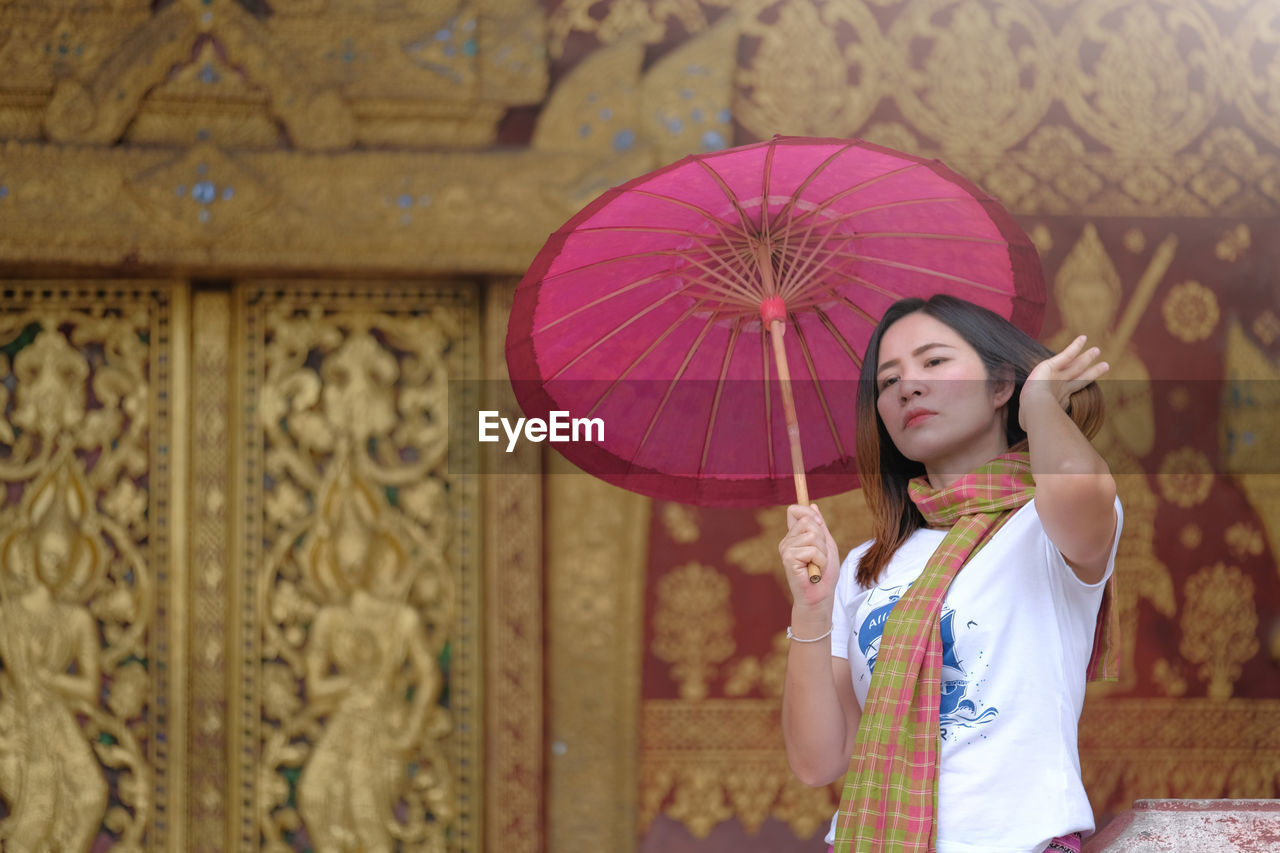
[1017, 630]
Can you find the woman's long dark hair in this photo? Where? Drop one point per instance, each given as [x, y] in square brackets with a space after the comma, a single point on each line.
[884, 471]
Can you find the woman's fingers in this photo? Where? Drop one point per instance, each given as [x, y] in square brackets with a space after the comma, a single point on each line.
[1082, 364]
[1094, 372]
[1069, 352]
[798, 559]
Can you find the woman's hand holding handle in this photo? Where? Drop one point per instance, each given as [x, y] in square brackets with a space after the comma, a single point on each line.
[809, 541]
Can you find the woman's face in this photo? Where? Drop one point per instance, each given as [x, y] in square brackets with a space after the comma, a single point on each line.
[935, 398]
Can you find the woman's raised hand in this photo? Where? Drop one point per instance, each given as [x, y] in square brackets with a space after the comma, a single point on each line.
[809, 541]
[1060, 376]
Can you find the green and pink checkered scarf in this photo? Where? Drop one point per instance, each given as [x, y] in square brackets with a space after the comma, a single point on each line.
[890, 794]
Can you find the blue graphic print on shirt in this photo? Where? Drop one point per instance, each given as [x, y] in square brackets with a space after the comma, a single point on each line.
[955, 710]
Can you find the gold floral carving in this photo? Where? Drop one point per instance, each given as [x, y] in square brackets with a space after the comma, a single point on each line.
[1185, 477]
[693, 626]
[699, 801]
[88, 628]
[1169, 677]
[96, 106]
[596, 108]
[680, 521]
[714, 760]
[1257, 46]
[331, 76]
[631, 120]
[1190, 311]
[1154, 85]
[640, 20]
[597, 539]
[687, 95]
[826, 89]
[1129, 748]
[1266, 326]
[514, 803]
[375, 211]
[211, 513]
[1219, 625]
[966, 99]
[1250, 426]
[1234, 243]
[766, 673]
[364, 584]
[1243, 539]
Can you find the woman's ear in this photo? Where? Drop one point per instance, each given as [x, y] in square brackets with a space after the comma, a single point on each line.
[1003, 382]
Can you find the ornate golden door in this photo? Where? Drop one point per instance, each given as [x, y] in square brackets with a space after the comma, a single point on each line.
[241, 569]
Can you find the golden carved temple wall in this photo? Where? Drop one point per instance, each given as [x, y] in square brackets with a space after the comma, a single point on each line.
[252, 600]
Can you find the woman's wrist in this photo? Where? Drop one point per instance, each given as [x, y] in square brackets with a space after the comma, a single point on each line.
[1032, 404]
[810, 620]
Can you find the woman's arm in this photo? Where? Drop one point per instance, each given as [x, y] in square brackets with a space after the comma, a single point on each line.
[1075, 492]
[819, 710]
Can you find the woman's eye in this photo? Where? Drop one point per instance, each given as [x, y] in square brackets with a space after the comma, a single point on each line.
[931, 362]
[885, 383]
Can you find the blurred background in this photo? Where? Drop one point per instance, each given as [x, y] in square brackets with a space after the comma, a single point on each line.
[255, 253]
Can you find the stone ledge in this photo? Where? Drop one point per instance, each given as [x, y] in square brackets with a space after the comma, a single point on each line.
[1203, 826]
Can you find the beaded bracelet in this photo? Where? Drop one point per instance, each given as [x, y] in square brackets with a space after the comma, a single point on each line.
[791, 636]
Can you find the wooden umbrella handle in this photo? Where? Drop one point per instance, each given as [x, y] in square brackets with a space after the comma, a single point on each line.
[776, 330]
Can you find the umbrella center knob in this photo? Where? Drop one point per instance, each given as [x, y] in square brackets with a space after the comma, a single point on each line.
[773, 308]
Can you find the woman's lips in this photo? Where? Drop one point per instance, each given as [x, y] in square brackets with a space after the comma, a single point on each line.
[917, 417]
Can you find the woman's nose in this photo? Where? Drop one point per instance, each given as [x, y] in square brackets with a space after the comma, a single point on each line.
[910, 386]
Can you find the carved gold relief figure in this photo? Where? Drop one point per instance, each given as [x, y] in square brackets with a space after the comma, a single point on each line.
[368, 668]
[1087, 290]
[75, 593]
[49, 777]
[358, 597]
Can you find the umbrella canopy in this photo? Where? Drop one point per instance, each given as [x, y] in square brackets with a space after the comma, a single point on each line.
[656, 310]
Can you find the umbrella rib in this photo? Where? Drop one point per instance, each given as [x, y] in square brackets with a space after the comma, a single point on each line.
[715, 221]
[800, 281]
[605, 338]
[748, 231]
[804, 272]
[811, 216]
[875, 208]
[929, 235]
[830, 325]
[671, 386]
[738, 285]
[715, 403]
[783, 274]
[642, 356]
[813, 377]
[740, 293]
[633, 256]
[798, 278]
[813, 175]
[914, 268]
[855, 307]
[642, 229]
[766, 224]
[649, 279]
[742, 282]
[848, 191]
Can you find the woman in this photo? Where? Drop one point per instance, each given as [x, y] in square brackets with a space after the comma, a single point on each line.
[971, 454]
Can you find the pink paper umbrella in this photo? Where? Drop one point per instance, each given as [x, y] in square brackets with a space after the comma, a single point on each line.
[660, 308]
